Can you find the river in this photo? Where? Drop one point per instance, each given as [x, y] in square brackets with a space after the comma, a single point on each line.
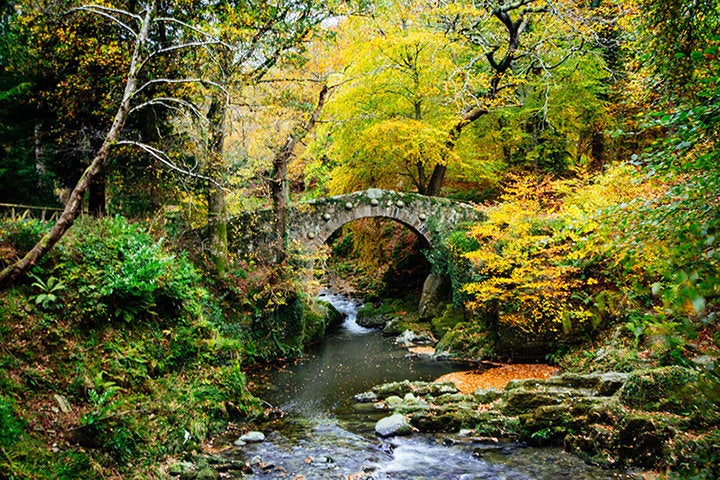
[323, 435]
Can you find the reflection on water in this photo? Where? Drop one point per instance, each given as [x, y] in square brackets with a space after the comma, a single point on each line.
[322, 437]
[350, 361]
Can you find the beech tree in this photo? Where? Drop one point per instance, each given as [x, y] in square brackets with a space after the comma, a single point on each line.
[447, 65]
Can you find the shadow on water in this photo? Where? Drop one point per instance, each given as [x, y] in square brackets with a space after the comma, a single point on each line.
[321, 436]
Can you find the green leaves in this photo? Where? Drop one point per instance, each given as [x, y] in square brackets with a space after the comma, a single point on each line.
[48, 297]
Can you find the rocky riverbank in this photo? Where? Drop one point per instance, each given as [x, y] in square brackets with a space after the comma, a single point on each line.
[617, 420]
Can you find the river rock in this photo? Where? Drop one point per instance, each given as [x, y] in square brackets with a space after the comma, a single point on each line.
[252, 437]
[602, 384]
[417, 388]
[436, 292]
[366, 397]
[393, 425]
[207, 473]
[180, 468]
[486, 395]
[524, 400]
[409, 338]
[371, 321]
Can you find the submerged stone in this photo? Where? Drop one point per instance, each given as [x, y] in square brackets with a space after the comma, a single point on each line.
[253, 437]
[393, 425]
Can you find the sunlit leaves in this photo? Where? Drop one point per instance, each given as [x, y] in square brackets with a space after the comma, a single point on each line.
[524, 277]
[392, 154]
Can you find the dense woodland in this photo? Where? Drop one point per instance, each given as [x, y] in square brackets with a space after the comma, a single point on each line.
[585, 131]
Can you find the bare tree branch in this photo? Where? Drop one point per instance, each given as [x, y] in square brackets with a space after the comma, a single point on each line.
[109, 13]
[156, 81]
[167, 103]
[194, 29]
[165, 160]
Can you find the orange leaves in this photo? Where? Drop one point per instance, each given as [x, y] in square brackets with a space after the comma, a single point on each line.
[497, 377]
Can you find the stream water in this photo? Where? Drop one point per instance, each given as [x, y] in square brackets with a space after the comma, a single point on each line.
[323, 435]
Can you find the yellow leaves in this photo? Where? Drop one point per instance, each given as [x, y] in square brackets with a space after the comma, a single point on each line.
[522, 260]
[388, 154]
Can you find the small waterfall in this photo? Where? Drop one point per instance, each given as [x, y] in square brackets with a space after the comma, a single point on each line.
[348, 307]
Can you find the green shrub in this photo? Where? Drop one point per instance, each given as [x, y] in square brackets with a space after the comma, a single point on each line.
[11, 427]
[21, 235]
[119, 272]
[697, 456]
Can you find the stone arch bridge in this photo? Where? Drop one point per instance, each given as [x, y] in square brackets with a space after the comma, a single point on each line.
[310, 224]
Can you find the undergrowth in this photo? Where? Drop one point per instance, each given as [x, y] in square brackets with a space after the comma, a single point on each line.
[113, 355]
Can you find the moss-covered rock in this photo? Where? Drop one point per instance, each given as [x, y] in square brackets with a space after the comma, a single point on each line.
[466, 340]
[641, 442]
[486, 395]
[666, 389]
[449, 418]
[450, 317]
[416, 388]
[526, 400]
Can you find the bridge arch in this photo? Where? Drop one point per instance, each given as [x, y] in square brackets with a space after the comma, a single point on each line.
[314, 223]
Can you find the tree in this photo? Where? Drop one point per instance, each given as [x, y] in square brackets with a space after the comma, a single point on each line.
[448, 66]
[281, 159]
[254, 38]
[137, 28]
[388, 116]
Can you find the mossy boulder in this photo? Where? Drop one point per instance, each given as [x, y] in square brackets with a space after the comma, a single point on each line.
[449, 418]
[450, 317]
[665, 389]
[605, 384]
[372, 320]
[641, 442]
[401, 389]
[486, 395]
[466, 340]
[436, 292]
[526, 400]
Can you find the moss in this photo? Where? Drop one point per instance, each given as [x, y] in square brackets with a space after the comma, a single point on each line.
[466, 340]
[668, 389]
[449, 319]
[318, 318]
[697, 456]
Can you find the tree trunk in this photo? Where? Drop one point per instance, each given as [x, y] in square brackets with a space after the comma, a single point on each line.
[217, 213]
[597, 151]
[96, 195]
[438, 176]
[74, 204]
[278, 183]
[279, 195]
[436, 180]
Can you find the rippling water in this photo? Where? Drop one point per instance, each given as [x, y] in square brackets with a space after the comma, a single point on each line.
[323, 437]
